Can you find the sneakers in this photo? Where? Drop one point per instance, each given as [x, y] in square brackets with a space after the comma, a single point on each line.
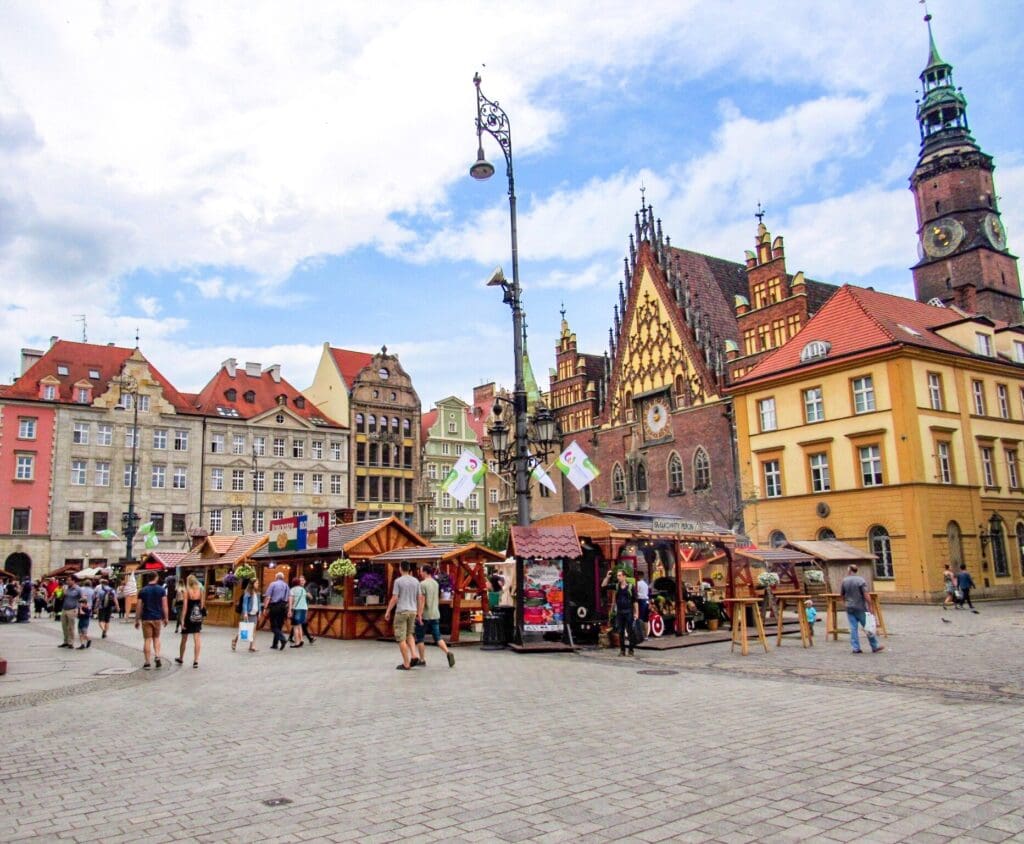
[856, 652]
[451, 659]
[158, 662]
[146, 665]
[88, 644]
[878, 650]
[81, 647]
[414, 662]
[401, 667]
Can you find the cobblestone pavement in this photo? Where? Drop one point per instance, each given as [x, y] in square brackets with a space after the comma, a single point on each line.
[920, 743]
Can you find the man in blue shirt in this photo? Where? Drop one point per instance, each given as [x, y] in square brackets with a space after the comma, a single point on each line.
[151, 613]
[965, 583]
[69, 612]
[279, 606]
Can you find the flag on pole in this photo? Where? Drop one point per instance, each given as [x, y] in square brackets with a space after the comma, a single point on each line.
[538, 474]
[151, 540]
[146, 527]
[576, 466]
[464, 477]
[107, 533]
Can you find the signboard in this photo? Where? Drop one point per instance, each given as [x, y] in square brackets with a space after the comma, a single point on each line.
[543, 596]
[319, 538]
[287, 534]
[674, 526]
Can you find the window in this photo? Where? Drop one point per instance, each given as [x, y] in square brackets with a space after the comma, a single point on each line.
[237, 522]
[983, 343]
[1012, 478]
[1003, 400]
[870, 457]
[238, 444]
[100, 520]
[446, 501]
[238, 480]
[160, 438]
[78, 473]
[80, 436]
[881, 547]
[445, 448]
[772, 472]
[177, 523]
[988, 466]
[20, 520]
[997, 539]
[945, 463]
[259, 446]
[249, 396]
[298, 482]
[276, 514]
[216, 521]
[104, 434]
[159, 477]
[217, 479]
[298, 448]
[641, 477]
[360, 423]
[776, 539]
[259, 481]
[458, 449]
[371, 424]
[446, 527]
[277, 482]
[820, 480]
[863, 394]
[432, 471]
[180, 478]
[493, 523]
[144, 404]
[158, 522]
[83, 395]
[25, 468]
[131, 476]
[76, 521]
[126, 401]
[317, 449]
[216, 443]
[278, 446]
[360, 488]
[50, 392]
[978, 392]
[814, 405]
[335, 450]
[474, 527]
[701, 470]
[492, 496]
[618, 483]
[814, 350]
[258, 521]
[460, 525]
[452, 428]
[318, 484]
[935, 397]
[335, 484]
[360, 454]
[826, 534]
[26, 428]
[766, 410]
[102, 473]
[130, 435]
[181, 440]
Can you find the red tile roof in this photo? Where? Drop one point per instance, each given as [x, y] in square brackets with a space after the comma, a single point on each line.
[350, 364]
[214, 399]
[857, 320]
[543, 542]
[427, 421]
[81, 359]
[224, 550]
[476, 425]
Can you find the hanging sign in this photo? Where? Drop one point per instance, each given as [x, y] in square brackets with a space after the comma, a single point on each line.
[287, 534]
[674, 526]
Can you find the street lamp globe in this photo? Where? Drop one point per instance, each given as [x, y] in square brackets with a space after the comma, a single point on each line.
[544, 424]
[499, 436]
[482, 169]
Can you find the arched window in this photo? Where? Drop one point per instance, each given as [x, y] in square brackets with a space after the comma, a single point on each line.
[680, 386]
[955, 545]
[675, 474]
[701, 469]
[405, 425]
[1020, 545]
[394, 424]
[881, 547]
[630, 478]
[586, 495]
[641, 477]
[618, 483]
[371, 424]
[825, 534]
[776, 539]
[997, 536]
[360, 423]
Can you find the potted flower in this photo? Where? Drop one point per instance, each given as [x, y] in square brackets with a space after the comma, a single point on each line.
[371, 587]
[816, 576]
[767, 579]
[243, 573]
[444, 583]
[341, 568]
[712, 614]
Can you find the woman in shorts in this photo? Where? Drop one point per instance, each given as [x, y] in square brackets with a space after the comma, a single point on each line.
[249, 610]
[949, 587]
[193, 606]
[300, 607]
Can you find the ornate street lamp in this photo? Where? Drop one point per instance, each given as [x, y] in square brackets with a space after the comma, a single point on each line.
[129, 386]
[257, 527]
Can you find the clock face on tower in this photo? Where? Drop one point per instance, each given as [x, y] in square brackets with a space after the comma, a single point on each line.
[656, 419]
[994, 231]
[942, 237]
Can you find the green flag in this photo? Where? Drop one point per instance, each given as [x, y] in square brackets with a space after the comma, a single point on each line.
[106, 533]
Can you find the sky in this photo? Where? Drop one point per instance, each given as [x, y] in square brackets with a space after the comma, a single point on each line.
[250, 180]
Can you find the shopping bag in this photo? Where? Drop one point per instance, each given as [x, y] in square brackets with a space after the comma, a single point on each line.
[870, 623]
[638, 631]
[958, 594]
[246, 631]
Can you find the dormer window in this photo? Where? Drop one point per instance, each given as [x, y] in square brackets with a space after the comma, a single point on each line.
[49, 392]
[282, 399]
[231, 394]
[815, 350]
[983, 343]
[249, 396]
[94, 374]
[300, 402]
[62, 369]
[83, 395]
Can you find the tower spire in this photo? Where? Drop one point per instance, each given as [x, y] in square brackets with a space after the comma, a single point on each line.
[942, 109]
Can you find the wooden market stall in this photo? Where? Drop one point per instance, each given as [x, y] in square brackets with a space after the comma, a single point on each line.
[211, 561]
[787, 563]
[668, 548]
[834, 557]
[353, 608]
[546, 557]
[464, 567]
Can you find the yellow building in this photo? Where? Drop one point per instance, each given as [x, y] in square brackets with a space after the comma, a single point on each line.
[894, 426]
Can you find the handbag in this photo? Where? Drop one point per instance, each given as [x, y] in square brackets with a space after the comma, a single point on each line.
[246, 631]
[958, 593]
[870, 623]
[195, 613]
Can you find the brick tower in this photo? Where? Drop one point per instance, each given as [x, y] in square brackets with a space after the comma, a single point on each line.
[963, 255]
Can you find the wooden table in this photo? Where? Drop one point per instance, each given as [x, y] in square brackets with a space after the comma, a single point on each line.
[805, 628]
[739, 608]
[832, 615]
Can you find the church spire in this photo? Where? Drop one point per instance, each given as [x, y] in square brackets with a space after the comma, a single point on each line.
[942, 109]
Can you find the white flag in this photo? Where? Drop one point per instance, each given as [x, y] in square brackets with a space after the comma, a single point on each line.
[540, 476]
[576, 466]
[464, 477]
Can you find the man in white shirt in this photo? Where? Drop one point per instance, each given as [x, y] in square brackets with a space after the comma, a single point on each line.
[407, 604]
[643, 600]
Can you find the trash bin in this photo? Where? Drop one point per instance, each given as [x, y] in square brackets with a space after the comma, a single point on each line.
[508, 622]
[24, 612]
[494, 633]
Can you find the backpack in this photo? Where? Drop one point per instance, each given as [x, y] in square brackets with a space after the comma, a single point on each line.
[108, 598]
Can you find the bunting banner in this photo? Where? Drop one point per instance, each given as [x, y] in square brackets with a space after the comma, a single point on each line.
[538, 474]
[464, 477]
[576, 466]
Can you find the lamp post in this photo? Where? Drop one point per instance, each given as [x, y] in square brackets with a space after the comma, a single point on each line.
[130, 386]
[255, 493]
[493, 120]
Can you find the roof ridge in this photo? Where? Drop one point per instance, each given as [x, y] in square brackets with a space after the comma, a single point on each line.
[854, 294]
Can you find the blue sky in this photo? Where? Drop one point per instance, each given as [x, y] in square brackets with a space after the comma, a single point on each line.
[250, 180]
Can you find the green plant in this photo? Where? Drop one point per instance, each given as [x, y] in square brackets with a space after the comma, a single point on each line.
[245, 572]
[497, 539]
[712, 610]
[341, 568]
[463, 537]
[767, 579]
[814, 576]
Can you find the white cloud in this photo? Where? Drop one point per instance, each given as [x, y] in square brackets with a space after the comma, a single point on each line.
[149, 305]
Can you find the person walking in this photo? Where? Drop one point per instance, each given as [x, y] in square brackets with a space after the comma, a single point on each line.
[106, 600]
[40, 599]
[949, 587]
[407, 604]
[278, 606]
[131, 594]
[299, 609]
[151, 614]
[965, 583]
[84, 617]
[854, 590]
[173, 589]
[248, 611]
[625, 612]
[431, 619]
[643, 602]
[69, 611]
[193, 607]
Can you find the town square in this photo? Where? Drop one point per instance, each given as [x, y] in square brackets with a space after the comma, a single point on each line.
[450, 421]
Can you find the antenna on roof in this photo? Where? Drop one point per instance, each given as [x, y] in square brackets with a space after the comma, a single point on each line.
[81, 318]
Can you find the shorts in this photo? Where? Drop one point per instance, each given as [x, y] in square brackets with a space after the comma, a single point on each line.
[83, 624]
[645, 610]
[299, 616]
[151, 629]
[431, 626]
[103, 615]
[405, 625]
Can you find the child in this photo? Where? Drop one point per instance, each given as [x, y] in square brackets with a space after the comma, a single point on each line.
[811, 613]
[84, 614]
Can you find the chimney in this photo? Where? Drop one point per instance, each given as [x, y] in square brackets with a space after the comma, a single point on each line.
[275, 372]
[53, 340]
[30, 357]
[344, 516]
[252, 369]
[230, 365]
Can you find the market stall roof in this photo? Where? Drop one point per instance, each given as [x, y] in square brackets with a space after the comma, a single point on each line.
[774, 555]
[223, 550]
[598, 523]
[439, 554]
[365, 539]
[831, 550]
[167, 559]
[70, 568]
[544, 542]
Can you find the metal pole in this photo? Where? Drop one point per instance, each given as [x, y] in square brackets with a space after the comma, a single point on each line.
[134, 477]
[255, 491]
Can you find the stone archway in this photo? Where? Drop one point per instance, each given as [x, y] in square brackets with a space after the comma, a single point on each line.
[19, 564]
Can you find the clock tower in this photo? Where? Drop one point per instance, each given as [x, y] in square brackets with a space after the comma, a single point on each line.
[962, 248]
